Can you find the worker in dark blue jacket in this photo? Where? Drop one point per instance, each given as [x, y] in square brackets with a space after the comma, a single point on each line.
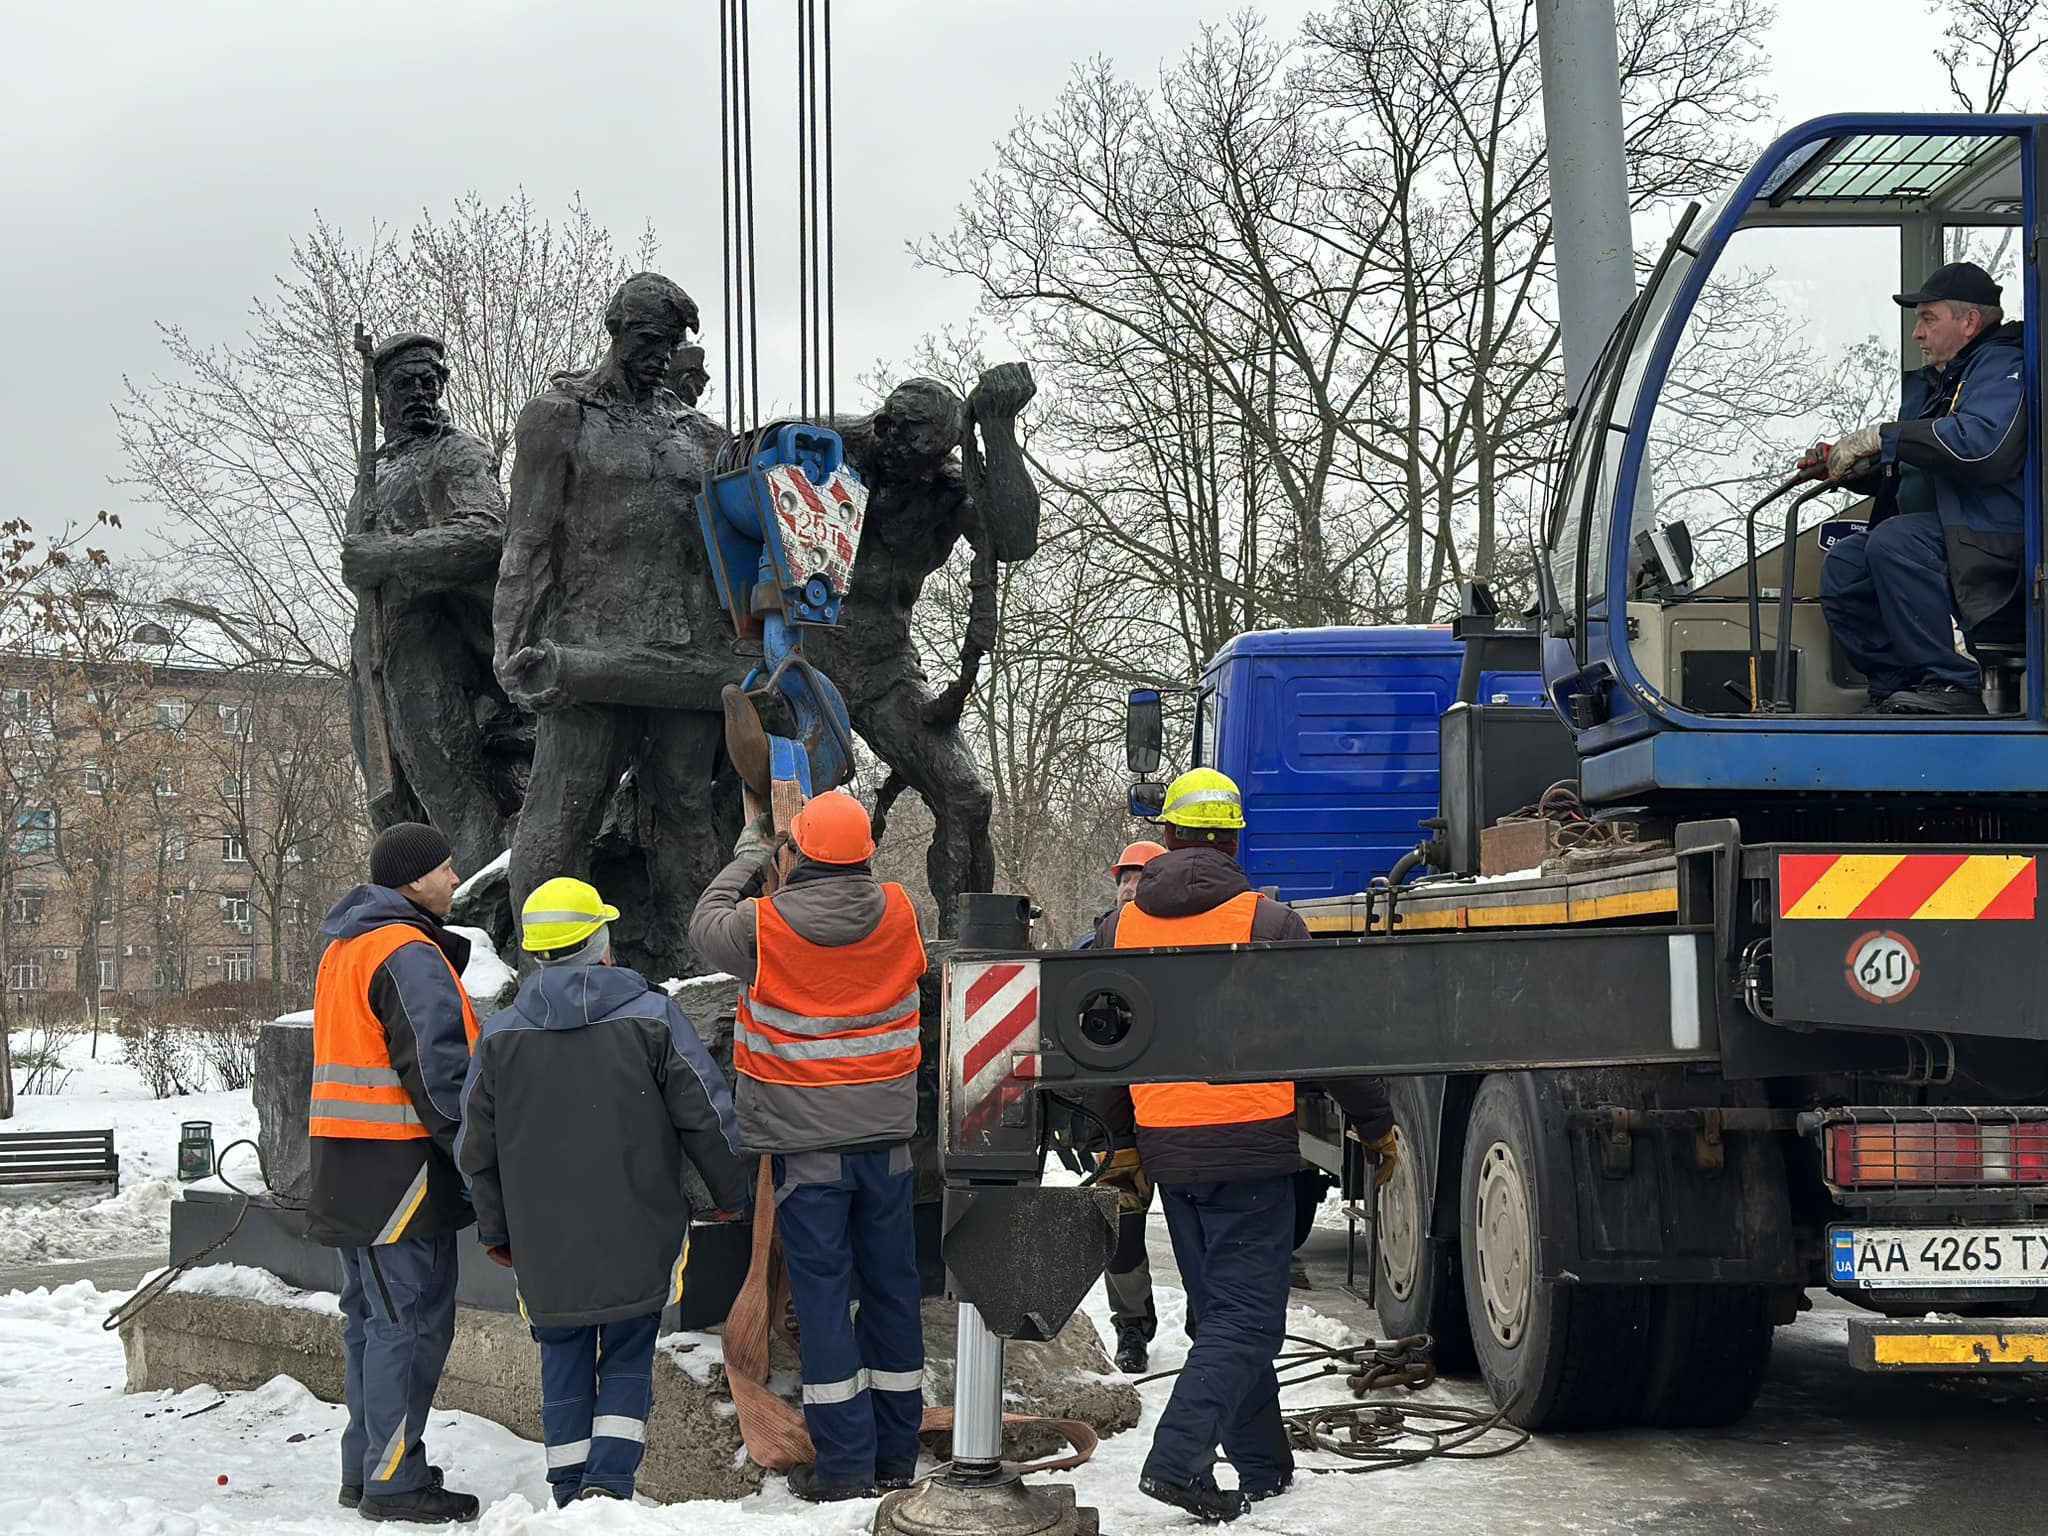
[1948, 534]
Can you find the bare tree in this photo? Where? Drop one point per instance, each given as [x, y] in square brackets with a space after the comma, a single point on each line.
[249, 447]
[1990, 43]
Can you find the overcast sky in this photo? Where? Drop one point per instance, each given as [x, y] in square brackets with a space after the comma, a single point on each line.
[162, 157]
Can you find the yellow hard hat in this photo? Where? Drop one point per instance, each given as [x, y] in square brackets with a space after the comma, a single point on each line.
[1205, 800]
[561, 914]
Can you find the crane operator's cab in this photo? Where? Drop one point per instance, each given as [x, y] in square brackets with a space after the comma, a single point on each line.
[1685, 645]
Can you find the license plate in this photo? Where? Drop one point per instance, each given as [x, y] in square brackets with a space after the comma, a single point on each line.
[1872, 1258]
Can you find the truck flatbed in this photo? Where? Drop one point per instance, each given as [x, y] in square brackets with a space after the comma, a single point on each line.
[1643, 890]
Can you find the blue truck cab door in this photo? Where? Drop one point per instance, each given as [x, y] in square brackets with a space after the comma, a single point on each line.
[1688, 648]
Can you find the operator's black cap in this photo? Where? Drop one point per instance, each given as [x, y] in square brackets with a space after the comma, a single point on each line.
[403, 853]
[1962, 281]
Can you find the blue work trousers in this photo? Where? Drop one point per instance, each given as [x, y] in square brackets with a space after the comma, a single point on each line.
[842, 1214]
[596, 1390]
[398, 1307]
[1886, 597]
[1233, 1243]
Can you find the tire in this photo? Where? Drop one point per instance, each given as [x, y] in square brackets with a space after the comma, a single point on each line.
[1555, 1356]
[1419, 1288]
[1709, 1347]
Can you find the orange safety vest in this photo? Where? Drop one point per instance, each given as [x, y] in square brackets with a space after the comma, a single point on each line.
[825, 1016]
[1160, 1105]
[356, 1091]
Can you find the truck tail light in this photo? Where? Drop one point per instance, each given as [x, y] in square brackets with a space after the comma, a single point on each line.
[1933, 1153]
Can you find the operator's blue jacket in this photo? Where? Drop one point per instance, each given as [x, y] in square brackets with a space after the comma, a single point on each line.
[1965, 428]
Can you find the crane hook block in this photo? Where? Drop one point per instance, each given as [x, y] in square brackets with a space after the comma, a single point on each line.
[781, 513]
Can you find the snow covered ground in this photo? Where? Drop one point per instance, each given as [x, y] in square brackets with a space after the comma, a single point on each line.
[38, 1227]
[83, 1459]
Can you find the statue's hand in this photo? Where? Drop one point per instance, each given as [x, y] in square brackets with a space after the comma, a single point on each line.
[365, 560]
[519, 674]
[1004, 390]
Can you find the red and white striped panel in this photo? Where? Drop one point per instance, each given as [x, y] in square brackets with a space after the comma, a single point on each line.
[991, 1045]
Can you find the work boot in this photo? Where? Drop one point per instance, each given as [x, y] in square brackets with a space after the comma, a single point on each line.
[352, 1493]
[1270, 1491]
[1131, 1349]
[888, 1482]
[805, 1483]
[1297, 1276]
[593, 1493]
[428, 1504]
[1206, 1502]
[1934, 699]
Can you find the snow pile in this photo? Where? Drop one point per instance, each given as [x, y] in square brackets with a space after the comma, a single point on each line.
[247, 1284]
[486, 976]
[46, 1228]
[502, 862]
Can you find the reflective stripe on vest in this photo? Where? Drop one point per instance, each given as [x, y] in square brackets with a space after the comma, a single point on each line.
[825, 1016]
[357, 1093]
[1163, 1105]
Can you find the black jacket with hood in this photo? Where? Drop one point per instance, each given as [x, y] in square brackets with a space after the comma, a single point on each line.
[362, 1188]
[1186, 883]
[583, 1100]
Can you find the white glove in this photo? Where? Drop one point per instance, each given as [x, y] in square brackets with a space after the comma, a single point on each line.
[1852, 451]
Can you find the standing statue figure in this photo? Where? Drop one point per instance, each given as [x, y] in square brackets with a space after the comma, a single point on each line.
[923, 498]
[421, 558]
[608, 626]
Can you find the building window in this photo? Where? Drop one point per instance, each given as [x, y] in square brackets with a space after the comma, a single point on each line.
[21, 703]
[237, 965]
[25, 974]
[232, 850]
[234, 721]
[169, 781]
[234, 906]
[172, 844]
[25, 907]
[171, 713]
[234, 788]
[36, 831]
[174, 902]
[95, 780]
[295, 912]
[110, 973]
[152, 634]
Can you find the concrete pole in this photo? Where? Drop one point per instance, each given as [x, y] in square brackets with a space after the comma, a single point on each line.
[1588, 176]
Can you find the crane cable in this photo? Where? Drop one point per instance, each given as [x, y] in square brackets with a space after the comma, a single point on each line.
[816, 244]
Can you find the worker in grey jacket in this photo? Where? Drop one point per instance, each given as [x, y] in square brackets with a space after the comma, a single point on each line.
[826, 1052]
[583, 1100]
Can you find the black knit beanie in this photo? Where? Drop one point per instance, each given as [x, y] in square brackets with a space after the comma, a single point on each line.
[403, 853]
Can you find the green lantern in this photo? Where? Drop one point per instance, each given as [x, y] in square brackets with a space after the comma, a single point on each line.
[195, 1150]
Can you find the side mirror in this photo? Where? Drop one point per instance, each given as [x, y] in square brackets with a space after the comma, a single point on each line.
[1144, 731]
[1148, 800]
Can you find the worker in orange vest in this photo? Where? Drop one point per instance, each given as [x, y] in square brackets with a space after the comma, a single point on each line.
[825, 1056]
[1223, 1159]
[392, 1034]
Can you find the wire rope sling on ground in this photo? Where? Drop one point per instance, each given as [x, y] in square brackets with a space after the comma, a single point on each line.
[1373, 1436]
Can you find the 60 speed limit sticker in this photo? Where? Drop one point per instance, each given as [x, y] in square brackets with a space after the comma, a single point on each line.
[1883, 967]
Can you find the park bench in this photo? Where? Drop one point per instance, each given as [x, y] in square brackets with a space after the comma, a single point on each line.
[58, 1157]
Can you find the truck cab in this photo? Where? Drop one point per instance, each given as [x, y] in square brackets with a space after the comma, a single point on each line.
[1686, 647]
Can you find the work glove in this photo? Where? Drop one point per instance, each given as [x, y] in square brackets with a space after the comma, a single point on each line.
[1124, 1172]
[1852, 452]
[757, 841]
[1385, 1151]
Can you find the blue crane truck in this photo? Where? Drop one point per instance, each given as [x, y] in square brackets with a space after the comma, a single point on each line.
[1702, 985]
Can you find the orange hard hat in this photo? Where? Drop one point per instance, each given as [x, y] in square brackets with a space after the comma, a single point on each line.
[833, 828]
[1136, 856]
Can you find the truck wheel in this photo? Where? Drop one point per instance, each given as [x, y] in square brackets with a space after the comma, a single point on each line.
[1419, 1289]
[1556, 1356]
[1708, 1348]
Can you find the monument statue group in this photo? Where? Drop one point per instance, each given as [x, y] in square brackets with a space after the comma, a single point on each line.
[543, 672]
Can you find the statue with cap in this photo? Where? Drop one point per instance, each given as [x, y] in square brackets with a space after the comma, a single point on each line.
[608, 626]
[422, 557]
